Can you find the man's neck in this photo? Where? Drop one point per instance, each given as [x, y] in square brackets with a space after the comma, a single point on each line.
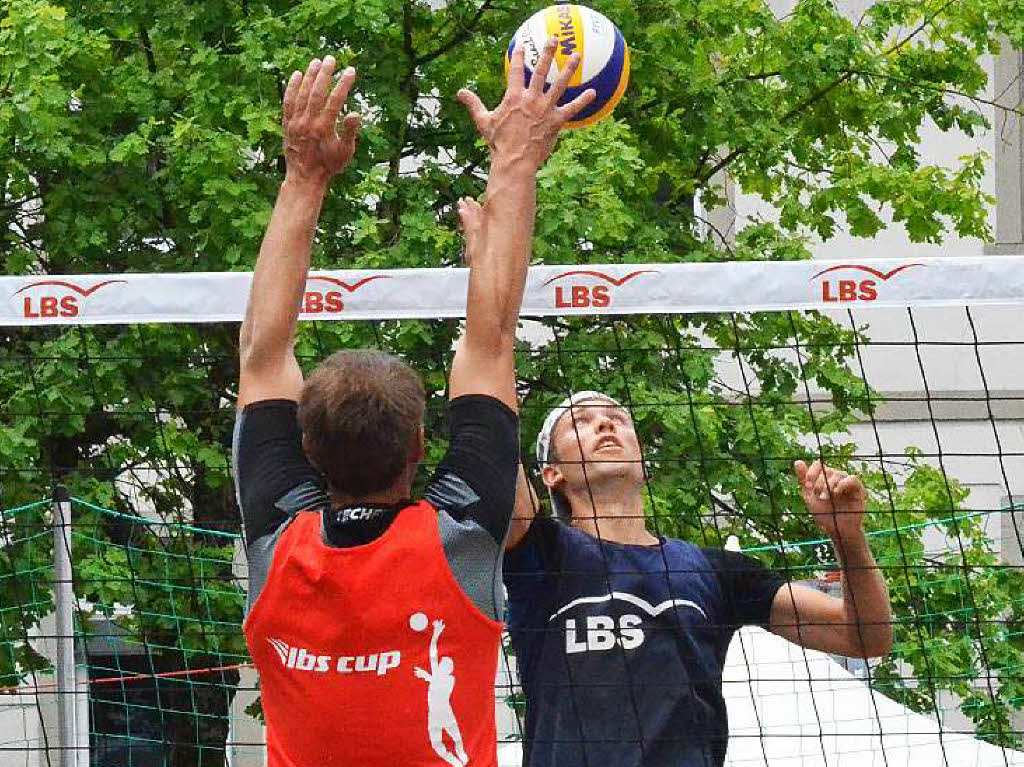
[388, 497]
[614, 517]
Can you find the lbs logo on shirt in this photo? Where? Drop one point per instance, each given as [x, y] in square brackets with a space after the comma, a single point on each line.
[301, 659]
[601, 633]
[598, 633]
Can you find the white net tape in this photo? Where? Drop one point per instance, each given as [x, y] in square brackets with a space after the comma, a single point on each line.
[551, 290]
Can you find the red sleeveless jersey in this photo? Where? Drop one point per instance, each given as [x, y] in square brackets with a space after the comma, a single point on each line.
[373, 655]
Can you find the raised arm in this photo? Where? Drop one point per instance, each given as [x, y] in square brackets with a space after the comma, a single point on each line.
[438, 628]
[524, 512]
[860, 624]
[521, 133]
[314, 154]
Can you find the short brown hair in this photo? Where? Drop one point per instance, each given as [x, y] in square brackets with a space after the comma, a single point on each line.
[359, 413]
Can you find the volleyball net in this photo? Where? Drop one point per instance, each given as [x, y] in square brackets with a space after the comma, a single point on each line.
[120, 390]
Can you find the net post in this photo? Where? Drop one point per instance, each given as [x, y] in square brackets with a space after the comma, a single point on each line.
[64, 599]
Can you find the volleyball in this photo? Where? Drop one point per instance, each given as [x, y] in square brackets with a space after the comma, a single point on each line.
[604, 56]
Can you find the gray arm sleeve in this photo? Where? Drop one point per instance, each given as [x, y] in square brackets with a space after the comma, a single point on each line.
[475, 560]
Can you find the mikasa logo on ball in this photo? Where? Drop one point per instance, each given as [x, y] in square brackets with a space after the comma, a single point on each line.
[566, 31]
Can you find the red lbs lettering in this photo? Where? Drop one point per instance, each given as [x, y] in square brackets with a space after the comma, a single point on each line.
[581, 297]
[848, 290]
[320, 303]
[51, 306]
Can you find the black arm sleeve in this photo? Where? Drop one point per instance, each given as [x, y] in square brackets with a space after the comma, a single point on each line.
[273, 477]
[476, 479]
[748, 587]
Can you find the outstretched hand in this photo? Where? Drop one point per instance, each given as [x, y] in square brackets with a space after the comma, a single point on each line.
[837, 500]
[472, 222]
[313, 149]
[524, 126]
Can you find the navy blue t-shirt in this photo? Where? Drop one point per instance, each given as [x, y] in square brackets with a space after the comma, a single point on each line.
[620, 647]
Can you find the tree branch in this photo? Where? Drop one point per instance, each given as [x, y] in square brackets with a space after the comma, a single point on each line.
[458, 39]
[939, 89]
[820, 94]
[722, 236]
[147, 46]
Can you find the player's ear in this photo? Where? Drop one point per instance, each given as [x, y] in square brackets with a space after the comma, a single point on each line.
[552, 477]
[417, 448]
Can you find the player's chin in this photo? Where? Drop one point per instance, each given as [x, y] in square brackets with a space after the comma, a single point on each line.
[614, 464]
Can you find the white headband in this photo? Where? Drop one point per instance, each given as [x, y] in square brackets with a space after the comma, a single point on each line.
[543, 449]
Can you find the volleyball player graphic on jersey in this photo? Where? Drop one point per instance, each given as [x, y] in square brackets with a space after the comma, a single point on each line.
[339, 553]
[440, 714]
[620, 635]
